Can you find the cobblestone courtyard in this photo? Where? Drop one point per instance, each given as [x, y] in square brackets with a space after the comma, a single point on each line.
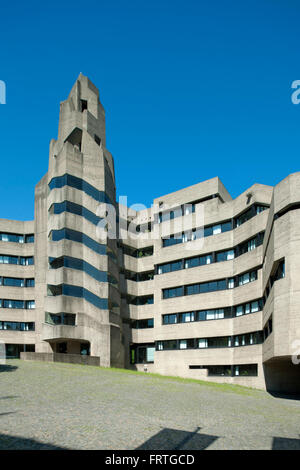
[62, 406]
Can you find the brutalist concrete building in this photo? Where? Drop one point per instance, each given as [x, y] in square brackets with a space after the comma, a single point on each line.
[200, 285]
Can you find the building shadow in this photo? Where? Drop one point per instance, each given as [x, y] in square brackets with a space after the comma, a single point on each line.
[9, 397]
[21, 443]
[174, 439]
[283, 443]
[286, 396]
[7, 368]
[282, 378]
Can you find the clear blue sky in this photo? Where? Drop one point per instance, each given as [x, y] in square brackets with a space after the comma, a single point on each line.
[192, 89]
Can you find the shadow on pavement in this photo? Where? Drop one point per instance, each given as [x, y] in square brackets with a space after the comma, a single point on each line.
[7, 368]
[20, 443]
[8, 397]
[286, 396]
[283, 443]
[173, 439]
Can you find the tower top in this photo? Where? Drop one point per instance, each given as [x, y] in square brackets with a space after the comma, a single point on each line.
[82, 111]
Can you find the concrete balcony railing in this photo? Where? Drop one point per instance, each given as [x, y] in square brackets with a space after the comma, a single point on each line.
[59, 357]
[53, 332]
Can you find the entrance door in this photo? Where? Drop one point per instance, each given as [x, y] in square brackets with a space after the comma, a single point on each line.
[62, 348]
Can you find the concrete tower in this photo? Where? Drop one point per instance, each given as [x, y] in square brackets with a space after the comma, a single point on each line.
[76, 274]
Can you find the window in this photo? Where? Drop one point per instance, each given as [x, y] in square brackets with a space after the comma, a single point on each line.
[142, 300]
[97, 140]
[170, 344]
[173, 240]
[214, 314]
[27, 261]
[73, 208]
[184, 209]
[219, 342]
[29, 238]
[206, 287]
[279, 274]
[14, 350]
[16, 282]
[197, 261]
[186, 317]
[208, 231]
[68, 234]
[219, 371]
[78, 183]
[244, 217]
[173, 292]
[197, 233]
[85, 349]
[251, 244]
[201, 315]
[17, 326]
[168, 267]
[248, 339]
[11, 281]
[53, 290]
[189, 209]
[225, 255]
[247, 277]
[195, 289]
[211, 286]
[146, 300]
[239, 310]
[142, 252]
[29, 282]
[226, 226]
[150, 354]
[5, 259]
[186, 344]
[250, 307]
[13, 304]
[247, 308]
[30, 326]
[229, 370]
[214, 342]
[260, 209]
[169, 319]
[268, 328]
[202, 260]
[245, 370]
[202, 343]
[79, 264]
[248, 214]
[142, 353]
[141, 324]
[84, 105]
[62, 348]
[244, 279]
[11, 237]
[217, 229]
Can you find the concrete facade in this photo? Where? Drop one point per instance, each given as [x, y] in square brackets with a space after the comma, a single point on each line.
[219, 302]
